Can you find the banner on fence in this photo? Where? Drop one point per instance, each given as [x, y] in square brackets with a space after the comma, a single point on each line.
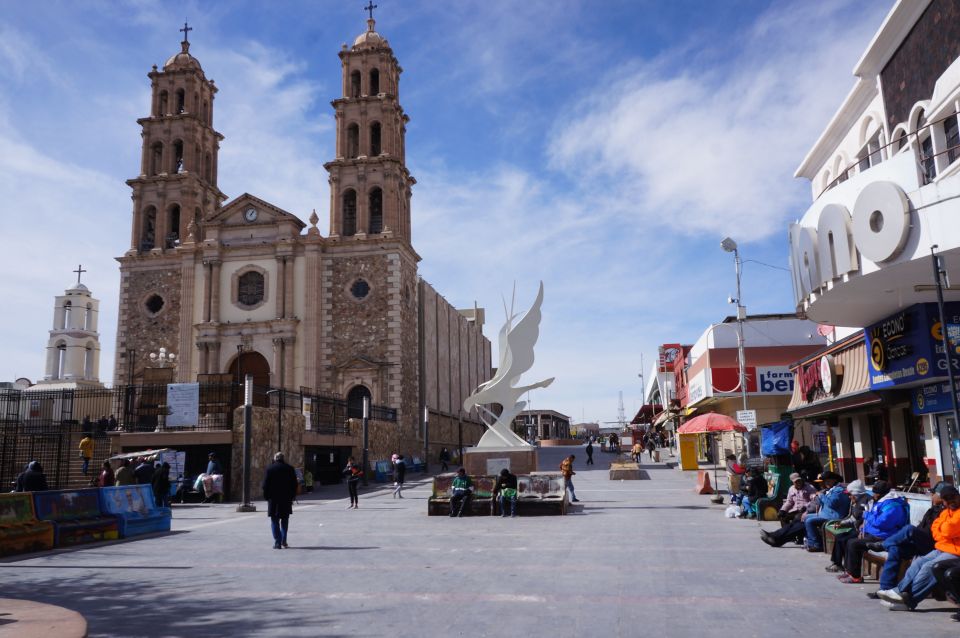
[183, 403]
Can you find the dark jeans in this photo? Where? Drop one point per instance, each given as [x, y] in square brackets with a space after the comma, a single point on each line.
[459, 502]
[947, 573]
[904, 545]
[512, 501]
[279, 527]
[856, 548]
[590, 457]
[86, 466]
[793, 532]
[352, 488]
[840, 546]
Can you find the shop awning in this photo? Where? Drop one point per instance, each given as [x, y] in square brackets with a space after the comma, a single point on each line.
[854, 383]
[711, 422]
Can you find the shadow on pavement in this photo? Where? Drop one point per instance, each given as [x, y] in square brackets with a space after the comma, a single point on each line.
[331, 548]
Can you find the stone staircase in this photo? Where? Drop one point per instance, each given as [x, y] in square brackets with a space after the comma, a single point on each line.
[101, 450]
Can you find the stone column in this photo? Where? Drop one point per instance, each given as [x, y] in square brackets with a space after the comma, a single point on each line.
[288, 287]
[288, 362]
[277, 368]
[281, 285]
[207, 268]
[215, 291]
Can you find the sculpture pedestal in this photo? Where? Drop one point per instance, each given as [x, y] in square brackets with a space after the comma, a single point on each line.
[488, 461]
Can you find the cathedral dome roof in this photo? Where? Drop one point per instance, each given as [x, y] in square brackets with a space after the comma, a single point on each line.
[182, 60]
[369, 39]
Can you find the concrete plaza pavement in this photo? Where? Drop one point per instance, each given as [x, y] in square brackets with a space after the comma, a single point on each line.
[636, 558]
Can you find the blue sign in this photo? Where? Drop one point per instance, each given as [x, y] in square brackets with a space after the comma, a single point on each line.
[930, 399]
[906, 348]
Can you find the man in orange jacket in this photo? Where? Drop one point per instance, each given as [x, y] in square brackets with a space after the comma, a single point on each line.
[920, 580]
[566, 468]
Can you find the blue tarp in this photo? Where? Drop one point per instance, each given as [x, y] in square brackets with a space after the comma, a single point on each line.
[775, 438]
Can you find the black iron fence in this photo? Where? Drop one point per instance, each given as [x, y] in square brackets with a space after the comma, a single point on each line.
[44, 425]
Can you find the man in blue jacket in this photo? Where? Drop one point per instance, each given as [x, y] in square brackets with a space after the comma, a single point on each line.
[834, 505]
[888, 515]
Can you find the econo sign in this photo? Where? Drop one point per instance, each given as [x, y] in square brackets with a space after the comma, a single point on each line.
[877, 230]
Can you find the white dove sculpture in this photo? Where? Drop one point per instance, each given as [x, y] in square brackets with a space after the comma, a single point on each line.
[516, 343]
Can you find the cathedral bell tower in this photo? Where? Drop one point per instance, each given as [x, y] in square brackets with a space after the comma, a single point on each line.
[173, 196]
[369, 181]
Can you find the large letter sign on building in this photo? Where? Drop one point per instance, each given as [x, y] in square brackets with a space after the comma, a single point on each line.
[877, 230]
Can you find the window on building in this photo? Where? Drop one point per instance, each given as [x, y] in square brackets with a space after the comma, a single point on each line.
[88, 362]
[154, 304]
[207, 168]
[250, 288]
[869, 155]
[181, 101]
[177, 165]
[360, 289]
[353, 141]
[374, 82]
[162, 104]
[349, 213]
[355, 401]
[67, 307]
[61, 361]
[148, 235]
[355, 84]
[899, 140]
[173, 226]
[951, 132]
[376, 211]
[88, 317]
[375, 139]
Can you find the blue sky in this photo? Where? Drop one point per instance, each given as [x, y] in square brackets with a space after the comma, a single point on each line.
[605, 147]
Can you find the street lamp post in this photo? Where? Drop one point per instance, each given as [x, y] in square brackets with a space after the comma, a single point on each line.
[731, 247]
[366, 439]
[246, 505]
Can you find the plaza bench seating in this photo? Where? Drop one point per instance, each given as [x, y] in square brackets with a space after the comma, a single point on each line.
[768, 507]
[20, 531]
[481, 503]
[135, 508]
[76, 516]
[538, 493]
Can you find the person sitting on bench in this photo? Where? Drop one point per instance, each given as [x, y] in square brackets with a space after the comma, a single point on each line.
[462, 490]
[505, 491]
[919, 580]
[798, 529]
[889, 514]
[859, 501]
[834, 505]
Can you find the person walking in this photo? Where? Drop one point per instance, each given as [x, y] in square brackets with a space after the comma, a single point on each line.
[106, 478]
[161, 485]
[86, 453]
[279, 490]
[444, 460]
[353, 472]
[399, 474]
[590, 451]
[566, 468]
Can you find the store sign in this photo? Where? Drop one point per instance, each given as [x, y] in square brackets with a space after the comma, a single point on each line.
[697, 388]
[747, 418]
[933, 398]
[828, 373]
[877, 230]
[818, 379]
[907, 347]
[769, 380]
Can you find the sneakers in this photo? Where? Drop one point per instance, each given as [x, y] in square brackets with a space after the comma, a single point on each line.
[832, 568]
[872, 595]
[814, 550]
[897, 607]
[284, 543]
[890, 595]
[276, 545]
[847, 579]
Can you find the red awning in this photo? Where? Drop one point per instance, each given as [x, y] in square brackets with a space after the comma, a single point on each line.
[711, 422]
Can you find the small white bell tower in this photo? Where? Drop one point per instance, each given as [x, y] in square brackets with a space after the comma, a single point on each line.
[73, 350]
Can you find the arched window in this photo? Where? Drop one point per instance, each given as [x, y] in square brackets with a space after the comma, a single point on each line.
[349, 213]
[162, 104]
[61, 361]
[353, 141]
[250, 288]
[173, 226]
[899, 139]
[196, 103]
[207, 168]
[177, 165]
[88, 362]
[181, 101]
[355, 401]
[88, 317]
[951, 133]
[376, 211]
[156, 158]
[375, 139]
[374, 82]
[148, 233]
[67, 307]
[928, 161]
[355, 84]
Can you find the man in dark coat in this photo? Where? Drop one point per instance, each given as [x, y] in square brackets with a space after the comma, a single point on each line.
[144, 472]
[33, 480]
[279, 490]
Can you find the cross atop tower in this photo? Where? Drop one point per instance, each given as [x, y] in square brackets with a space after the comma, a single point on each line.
[79, 271]
[369, 8]
[186, 31]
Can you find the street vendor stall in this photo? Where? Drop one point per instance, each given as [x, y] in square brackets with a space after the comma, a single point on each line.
[176, 459]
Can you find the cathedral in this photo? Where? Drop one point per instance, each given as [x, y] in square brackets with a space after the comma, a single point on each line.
[241, 286]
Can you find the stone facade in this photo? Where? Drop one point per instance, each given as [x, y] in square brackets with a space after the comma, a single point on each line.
[337, 315]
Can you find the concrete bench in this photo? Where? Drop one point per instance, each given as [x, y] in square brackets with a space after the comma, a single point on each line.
[541, 493]
[481, 503]
[20, 531]
[135, 508]
[76, 516]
